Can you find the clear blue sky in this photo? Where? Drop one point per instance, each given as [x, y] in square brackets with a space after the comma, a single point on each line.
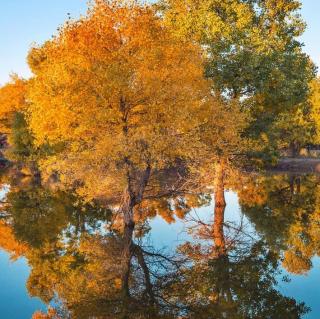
[23, 22]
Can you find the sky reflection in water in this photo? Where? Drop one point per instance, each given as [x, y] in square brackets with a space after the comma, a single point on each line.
[293, 201]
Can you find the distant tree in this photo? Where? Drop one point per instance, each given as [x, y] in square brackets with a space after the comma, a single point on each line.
[12, 100]
[314, 101]
[19, 139]
[294, 130]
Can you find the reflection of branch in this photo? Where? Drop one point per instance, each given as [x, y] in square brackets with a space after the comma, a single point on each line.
[181, 186]
[203, 230]
[171, 193]
[139, 253]
[172, 261]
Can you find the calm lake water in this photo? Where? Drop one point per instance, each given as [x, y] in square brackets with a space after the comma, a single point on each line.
[257, 258]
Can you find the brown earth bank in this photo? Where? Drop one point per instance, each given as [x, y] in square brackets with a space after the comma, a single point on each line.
[299, 165]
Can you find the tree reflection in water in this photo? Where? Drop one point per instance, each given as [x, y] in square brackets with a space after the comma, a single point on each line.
[284, 210]
[93, 265]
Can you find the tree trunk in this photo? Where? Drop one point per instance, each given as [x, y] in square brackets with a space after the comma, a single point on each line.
[219, 184]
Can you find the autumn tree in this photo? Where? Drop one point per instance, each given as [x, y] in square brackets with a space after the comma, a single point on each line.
[14, 104]
[123, 96]
[253, 47]
[257, 67]
[12, 100]
[12, 119]
[123, 101]
[294, 130]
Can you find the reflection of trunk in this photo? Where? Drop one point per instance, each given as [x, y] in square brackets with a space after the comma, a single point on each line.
[222, 285]
[132, 197]
[219, 184]
[218, 234]
[127, 210]
[146, 272]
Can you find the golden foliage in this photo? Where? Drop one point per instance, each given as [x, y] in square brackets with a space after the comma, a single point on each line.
[12, 99]
[115, 86]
